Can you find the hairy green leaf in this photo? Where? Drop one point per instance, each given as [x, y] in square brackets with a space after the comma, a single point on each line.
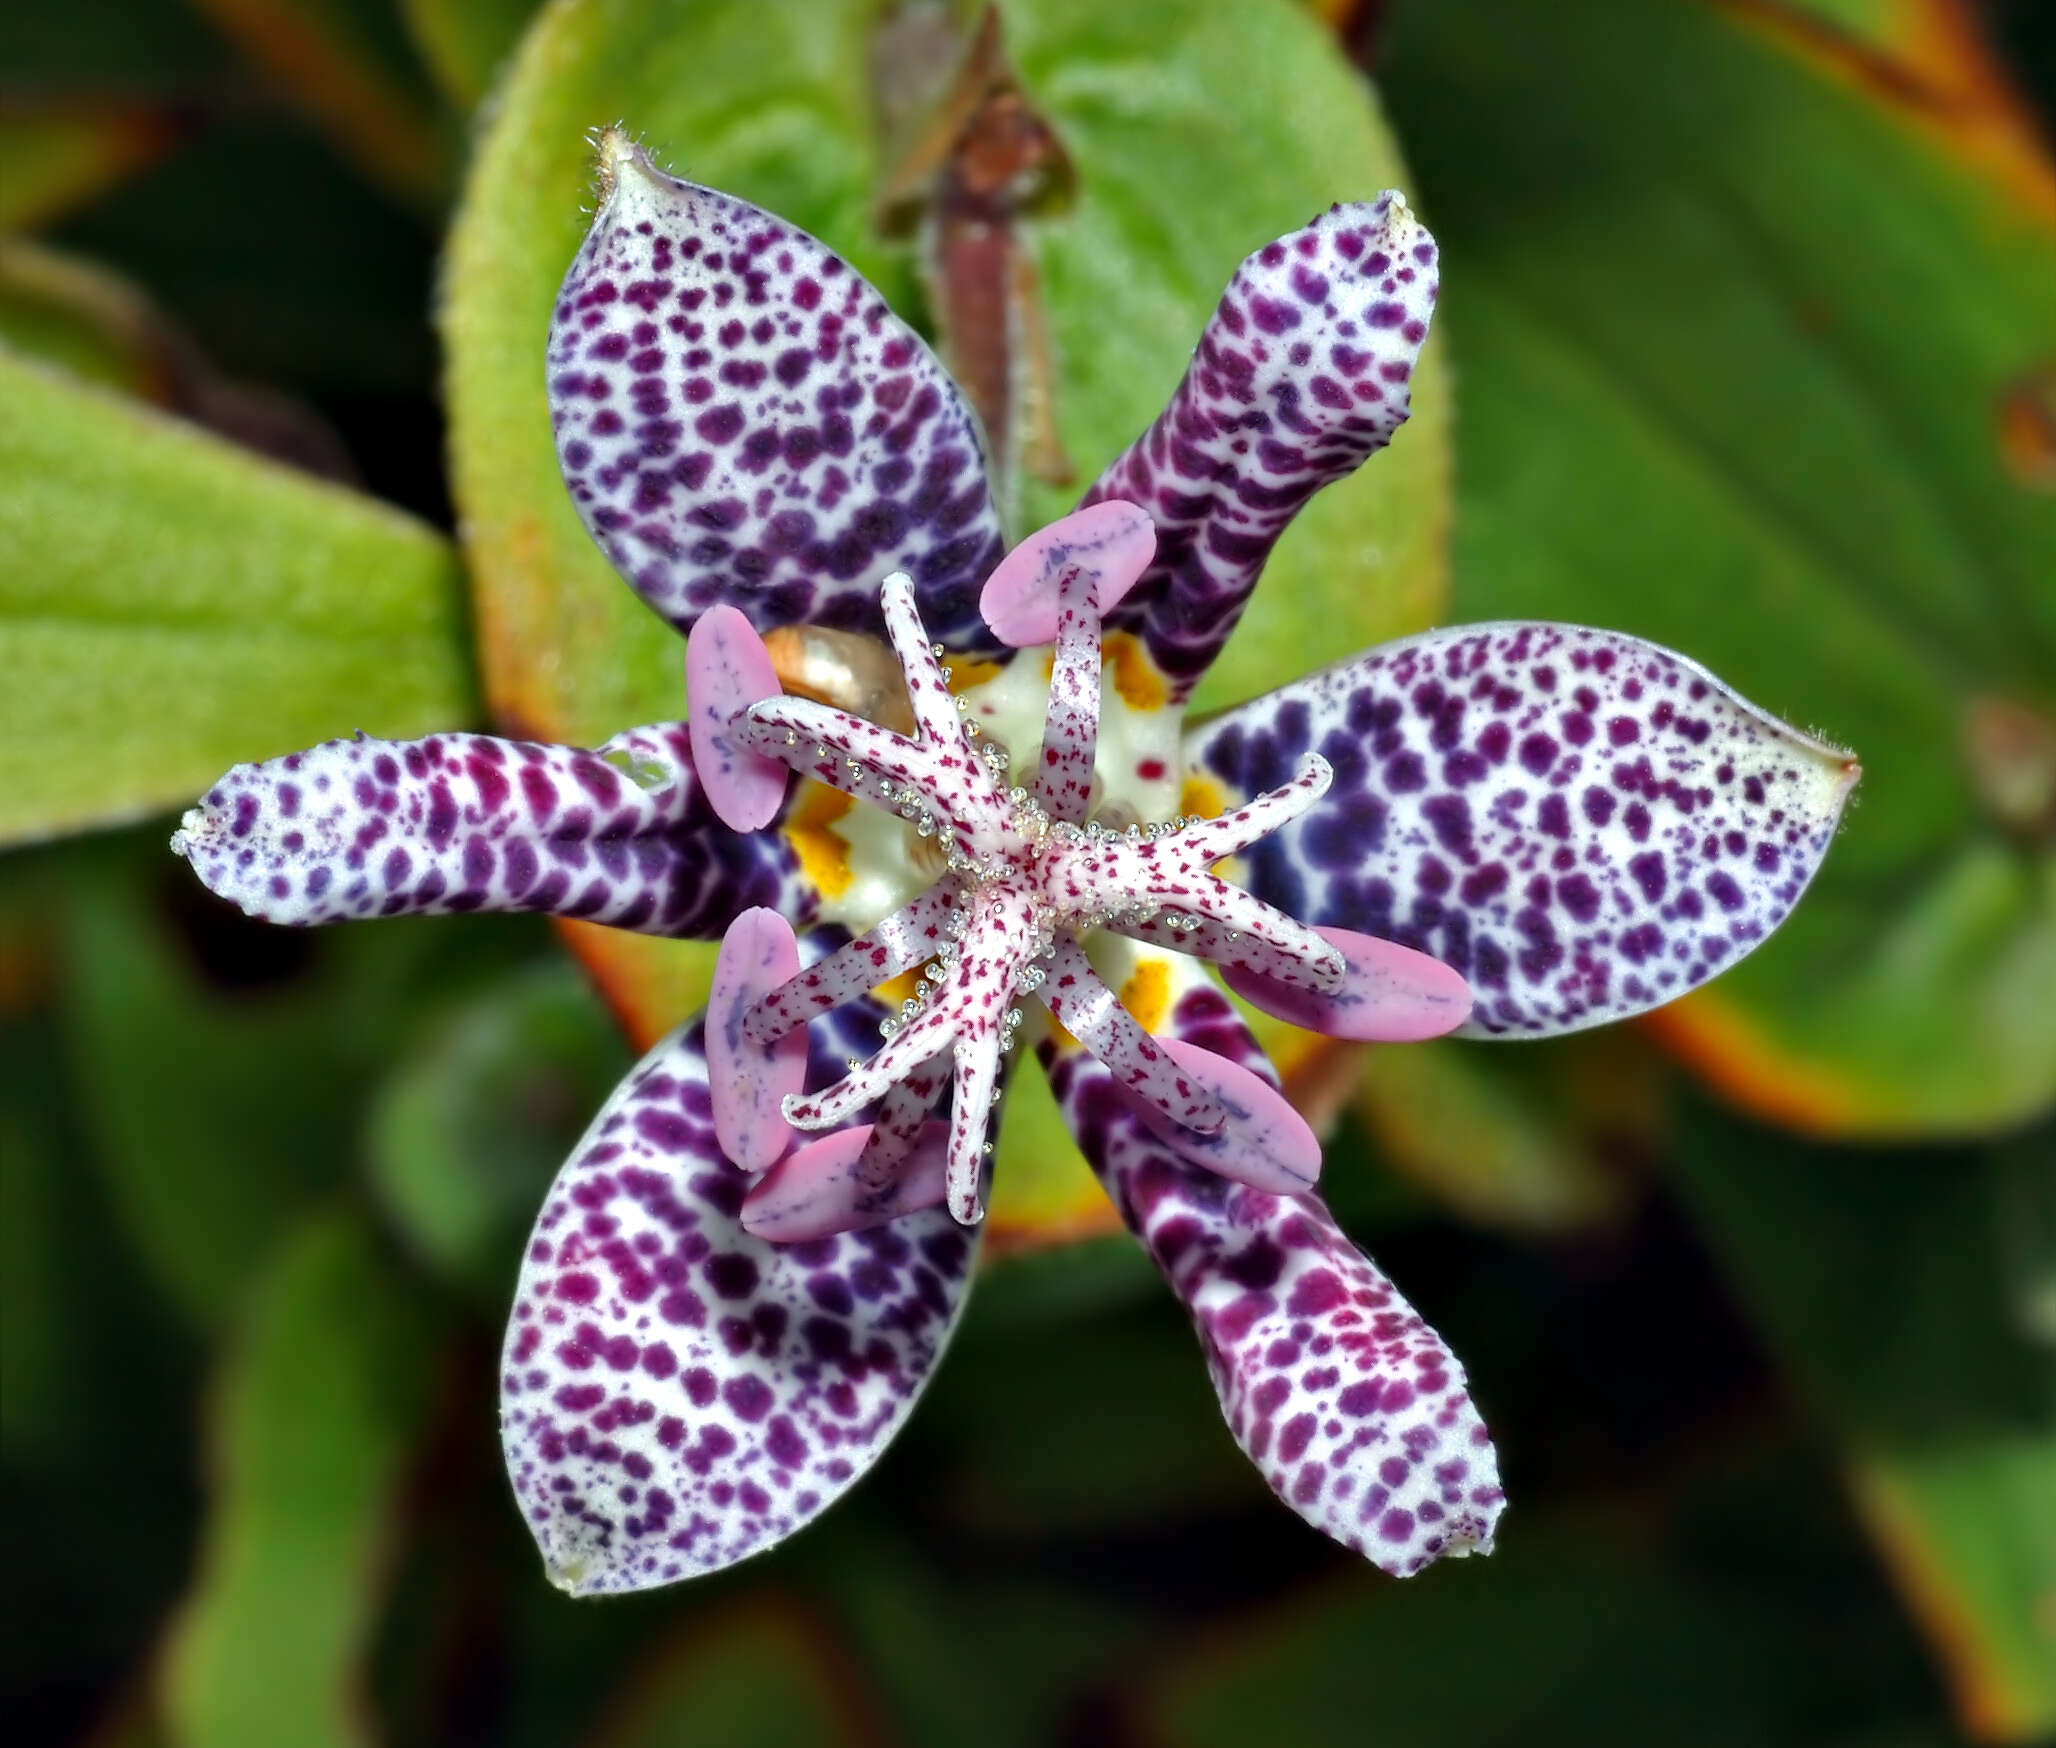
[170, 605]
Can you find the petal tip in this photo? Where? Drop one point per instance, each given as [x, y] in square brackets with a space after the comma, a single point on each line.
[622, 161]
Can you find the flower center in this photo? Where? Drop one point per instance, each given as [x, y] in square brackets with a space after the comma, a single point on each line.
[1025, 875]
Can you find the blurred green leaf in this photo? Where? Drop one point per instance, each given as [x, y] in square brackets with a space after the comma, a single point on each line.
[1127, 1434]
[1248, 122]
[1737, 333]
[284, 264]
[56, 157]
[170, 605]
[95, 1445]
[216, 1115]
[66, 312]
[350, 65]
[126, 48]
[466, 43]
[1492, 1140]
[2024, 1211]
[1037, 1640]
[58, 309]
[321, 1403]
[1879, 1280]
[1569, 1633]
[1052, 1286]
[761, 1673]
[468, 1131]
[220, 1065]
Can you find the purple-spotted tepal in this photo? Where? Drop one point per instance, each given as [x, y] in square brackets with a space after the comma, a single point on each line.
[749, 1267]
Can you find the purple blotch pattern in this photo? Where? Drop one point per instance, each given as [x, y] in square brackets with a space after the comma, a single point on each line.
[1304, 371]
[1583, 824]
[1352, 1409]
[678, 1395]
[741, 419]
[622, 835]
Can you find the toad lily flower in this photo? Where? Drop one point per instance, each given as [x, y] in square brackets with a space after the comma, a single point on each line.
[737, 1287]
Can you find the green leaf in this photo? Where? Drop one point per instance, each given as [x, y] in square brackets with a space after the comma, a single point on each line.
[323, 1396]
[170, 606]
[71, 314]
[1248, 122]
[215, 1116]
[1879, 1280]
[222, 1065]
[760, 1674]
[1130, 1437]
[95, 1422]
[467, 1133]
[1199, 133]
[1736, 373]
[54, 160]
[1573, 1631]
[1491, 1135]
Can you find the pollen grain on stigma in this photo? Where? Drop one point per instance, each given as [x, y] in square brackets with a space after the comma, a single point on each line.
[1026, 873]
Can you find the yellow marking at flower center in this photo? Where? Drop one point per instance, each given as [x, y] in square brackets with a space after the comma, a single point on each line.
[962, 673]
[1201, 798]
[824, 856]
[895, 990]
[1147, 994]
[1136, 677]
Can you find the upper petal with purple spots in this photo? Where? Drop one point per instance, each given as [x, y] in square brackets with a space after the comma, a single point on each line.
[1350, 1406]
[741, 419]
[1583, 824]
[678, 1395]
[461, 822]
[1303, 372]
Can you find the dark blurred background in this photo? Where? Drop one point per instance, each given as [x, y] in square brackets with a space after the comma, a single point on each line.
[1761, 1304]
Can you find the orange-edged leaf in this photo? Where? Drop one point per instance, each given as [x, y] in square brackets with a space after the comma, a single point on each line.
[1743, 375]
[349, 64]
[54, 157]
[1882, 1281]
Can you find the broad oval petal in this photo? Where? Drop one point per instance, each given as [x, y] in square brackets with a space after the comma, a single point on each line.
[740, 418]
[1351, 1407]
[621, 835]
[1583, 824]
[677, 1395]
